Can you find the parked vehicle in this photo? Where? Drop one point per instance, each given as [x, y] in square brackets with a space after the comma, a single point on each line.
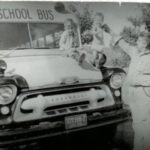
[43, 92]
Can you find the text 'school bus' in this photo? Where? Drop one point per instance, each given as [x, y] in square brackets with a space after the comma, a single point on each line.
[45, 93]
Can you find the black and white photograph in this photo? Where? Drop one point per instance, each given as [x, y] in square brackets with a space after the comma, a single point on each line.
[74, 75]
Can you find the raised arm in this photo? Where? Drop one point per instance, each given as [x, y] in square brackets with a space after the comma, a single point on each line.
[127, 48]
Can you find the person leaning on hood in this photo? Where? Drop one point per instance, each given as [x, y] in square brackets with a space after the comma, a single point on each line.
[138, 84]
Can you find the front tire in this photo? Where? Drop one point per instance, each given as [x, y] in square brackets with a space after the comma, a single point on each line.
[124, 137]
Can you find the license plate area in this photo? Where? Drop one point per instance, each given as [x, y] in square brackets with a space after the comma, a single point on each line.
[75, 121]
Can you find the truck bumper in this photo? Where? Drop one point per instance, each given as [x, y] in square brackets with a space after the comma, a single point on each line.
[25, 134]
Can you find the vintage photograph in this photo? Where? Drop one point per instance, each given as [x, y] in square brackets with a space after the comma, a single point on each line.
[74, 75]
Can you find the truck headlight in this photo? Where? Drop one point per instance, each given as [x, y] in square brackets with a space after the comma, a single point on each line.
[116, 80]
[7, 94]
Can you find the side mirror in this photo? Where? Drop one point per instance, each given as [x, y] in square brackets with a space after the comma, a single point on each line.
[3, 67]
[101, 60]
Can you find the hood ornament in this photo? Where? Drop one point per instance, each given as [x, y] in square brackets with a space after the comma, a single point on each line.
[69, 80]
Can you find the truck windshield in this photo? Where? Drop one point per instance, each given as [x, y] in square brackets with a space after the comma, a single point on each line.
[30, 35]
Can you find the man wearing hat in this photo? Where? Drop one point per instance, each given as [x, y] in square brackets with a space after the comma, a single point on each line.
[138, 81]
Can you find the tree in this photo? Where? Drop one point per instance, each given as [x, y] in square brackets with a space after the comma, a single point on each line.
[130, 34]
[84, 16]
[145, 8]
[136, 21]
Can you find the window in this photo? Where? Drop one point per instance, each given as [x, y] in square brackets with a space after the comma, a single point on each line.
[13, 35]
[32, 35]
[46, 35]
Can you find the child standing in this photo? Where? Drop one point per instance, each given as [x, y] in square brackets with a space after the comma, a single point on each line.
[67, 40]
[98, 30]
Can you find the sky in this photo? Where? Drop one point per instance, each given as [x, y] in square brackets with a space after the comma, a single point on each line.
[116, 15]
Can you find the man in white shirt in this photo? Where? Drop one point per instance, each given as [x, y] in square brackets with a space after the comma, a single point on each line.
[138, 84]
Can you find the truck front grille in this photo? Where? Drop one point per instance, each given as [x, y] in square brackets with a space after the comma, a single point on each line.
[67, 108]
[38, 105]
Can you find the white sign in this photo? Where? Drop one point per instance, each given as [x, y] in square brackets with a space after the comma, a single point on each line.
[30, 12]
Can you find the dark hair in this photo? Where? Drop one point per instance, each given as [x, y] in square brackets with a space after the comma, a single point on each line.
[100, 61]
[100, 15]
[103, 59]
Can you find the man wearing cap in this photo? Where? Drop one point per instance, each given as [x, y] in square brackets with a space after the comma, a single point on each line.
[138, 79]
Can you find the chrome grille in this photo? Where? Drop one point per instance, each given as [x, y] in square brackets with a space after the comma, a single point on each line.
[32, 106]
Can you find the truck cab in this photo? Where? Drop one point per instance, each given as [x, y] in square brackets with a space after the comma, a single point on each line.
[45, 93]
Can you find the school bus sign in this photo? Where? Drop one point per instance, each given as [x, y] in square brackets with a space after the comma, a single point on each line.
[29, 11]
[24, 13]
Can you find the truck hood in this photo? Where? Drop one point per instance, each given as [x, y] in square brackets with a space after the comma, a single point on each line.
[45, 70]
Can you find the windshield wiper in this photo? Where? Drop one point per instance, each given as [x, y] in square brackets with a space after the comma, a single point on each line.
[8, 54]
[41, 48]
[20, 48]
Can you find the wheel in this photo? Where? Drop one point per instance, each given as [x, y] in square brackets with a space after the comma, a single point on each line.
[124, 137]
